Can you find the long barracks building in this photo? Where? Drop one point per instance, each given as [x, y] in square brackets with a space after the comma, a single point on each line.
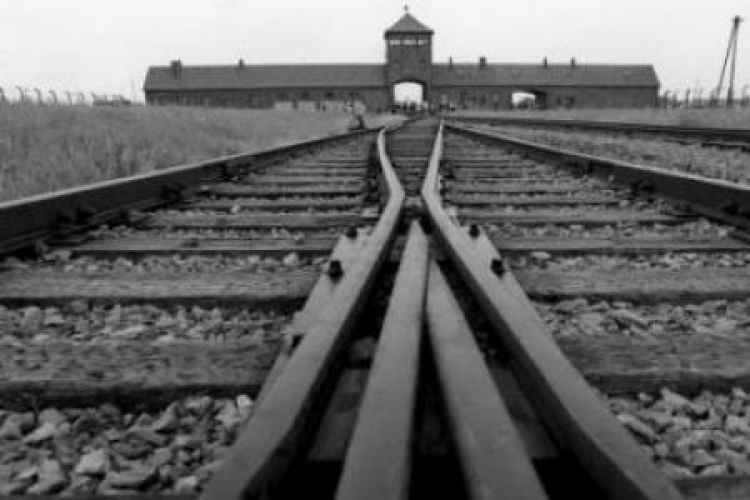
[477, 85]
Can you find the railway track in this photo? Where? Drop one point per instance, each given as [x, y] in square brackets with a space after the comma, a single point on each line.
[409, 150]
[714, 153]
[171, 311]
[420, 298]
[717, 137]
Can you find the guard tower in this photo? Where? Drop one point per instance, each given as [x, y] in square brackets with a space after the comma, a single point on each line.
[408, 48]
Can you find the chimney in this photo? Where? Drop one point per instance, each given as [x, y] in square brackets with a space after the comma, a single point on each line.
[545, 63]
[482, 62]
[241, 64]
[176, 68]
[573, 62]
[450, 62]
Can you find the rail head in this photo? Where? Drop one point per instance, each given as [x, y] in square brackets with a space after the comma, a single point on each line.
[24, 221]
[715, 198]
[269, 444]
[577, 418]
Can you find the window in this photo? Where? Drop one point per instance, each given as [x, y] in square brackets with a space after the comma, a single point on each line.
[410, 41]
[423, 40]
[394, 41]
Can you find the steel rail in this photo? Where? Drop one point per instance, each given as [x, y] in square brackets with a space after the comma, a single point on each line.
[346, 252]
[494, 460]
[378, 462]
[714, 198]
[285, 418]
[711, 133]
[579, 421]
[27, 220]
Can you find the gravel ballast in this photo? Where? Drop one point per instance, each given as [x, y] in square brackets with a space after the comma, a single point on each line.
[713, 162]
[701, 228]
[110, 450]
[80, 321]
[666, 261]
[61, 261]
[239, 210]
[582, 318]
[251, 234]
[705, 435]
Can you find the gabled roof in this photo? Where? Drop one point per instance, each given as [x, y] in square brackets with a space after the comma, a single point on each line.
[529, 75]
[265, 76]
[302, 76]
[408, 24]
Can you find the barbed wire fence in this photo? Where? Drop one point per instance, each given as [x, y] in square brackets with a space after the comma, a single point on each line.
[701, 97]
[692, 97]
[13, 95]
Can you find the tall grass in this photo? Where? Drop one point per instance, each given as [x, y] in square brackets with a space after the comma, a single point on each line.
[44, 149]
[690, 117]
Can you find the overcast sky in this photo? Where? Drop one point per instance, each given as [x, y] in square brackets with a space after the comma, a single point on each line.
[106, 45]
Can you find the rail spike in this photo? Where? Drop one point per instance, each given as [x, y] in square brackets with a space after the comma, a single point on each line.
[335, 269]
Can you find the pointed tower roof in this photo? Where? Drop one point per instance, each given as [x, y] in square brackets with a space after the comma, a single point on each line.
[408, 24]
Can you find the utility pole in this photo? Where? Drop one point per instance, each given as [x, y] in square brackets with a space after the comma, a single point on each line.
[731, 54]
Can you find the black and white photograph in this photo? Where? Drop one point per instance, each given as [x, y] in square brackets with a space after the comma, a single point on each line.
[393, 250]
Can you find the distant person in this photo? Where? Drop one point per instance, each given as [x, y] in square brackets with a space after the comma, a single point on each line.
[359, 118]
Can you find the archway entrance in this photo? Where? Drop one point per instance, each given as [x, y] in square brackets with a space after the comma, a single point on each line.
[522, 99]
[409, 97]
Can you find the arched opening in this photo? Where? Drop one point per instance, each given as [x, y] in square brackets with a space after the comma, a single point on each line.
[409, 97]
[522, 99]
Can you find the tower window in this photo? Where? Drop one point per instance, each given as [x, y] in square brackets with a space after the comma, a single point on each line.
[410, 41]
[394, 42]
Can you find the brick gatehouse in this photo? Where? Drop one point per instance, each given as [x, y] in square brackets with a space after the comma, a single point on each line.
[479, 85]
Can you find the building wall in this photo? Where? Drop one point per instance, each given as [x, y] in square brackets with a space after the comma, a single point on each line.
[409, 58]
[379, 99]
[593, 97]
[476, 97]
[293, 98]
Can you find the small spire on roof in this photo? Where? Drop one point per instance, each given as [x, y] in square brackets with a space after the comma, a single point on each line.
[406, 7]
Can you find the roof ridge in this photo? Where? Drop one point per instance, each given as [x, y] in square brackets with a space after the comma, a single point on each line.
[550, 64]
[409, 24]
[269, 65]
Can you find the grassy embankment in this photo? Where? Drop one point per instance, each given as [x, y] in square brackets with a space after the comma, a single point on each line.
[693, 117]
[44, 149]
